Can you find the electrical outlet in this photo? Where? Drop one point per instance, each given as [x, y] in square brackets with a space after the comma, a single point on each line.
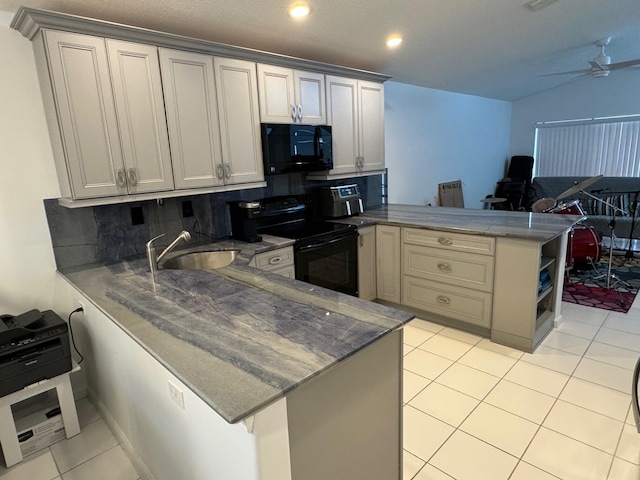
[81, 305]
[176, 395]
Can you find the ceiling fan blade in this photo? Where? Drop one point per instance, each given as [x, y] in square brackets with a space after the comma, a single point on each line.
[566, 73]
[628, 63]
[597, 66]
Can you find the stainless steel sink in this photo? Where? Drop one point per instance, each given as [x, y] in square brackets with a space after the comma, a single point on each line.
[206, 260]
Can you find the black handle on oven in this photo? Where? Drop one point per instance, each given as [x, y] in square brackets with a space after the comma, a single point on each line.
[634, 395]
[324, 243]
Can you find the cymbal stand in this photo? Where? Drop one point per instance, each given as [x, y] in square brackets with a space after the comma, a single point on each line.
[634, 208]
[612, 225]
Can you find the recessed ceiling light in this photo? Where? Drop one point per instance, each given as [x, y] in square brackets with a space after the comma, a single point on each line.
[299, 10]
[394, 40]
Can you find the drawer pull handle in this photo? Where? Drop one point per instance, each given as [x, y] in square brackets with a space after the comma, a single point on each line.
[442, 300]
[445, 267]
[445, 241]
[275, 260]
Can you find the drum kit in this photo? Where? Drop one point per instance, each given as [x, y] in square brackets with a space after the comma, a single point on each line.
[583, 245]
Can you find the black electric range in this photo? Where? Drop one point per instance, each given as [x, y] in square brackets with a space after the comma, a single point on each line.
[326, 253]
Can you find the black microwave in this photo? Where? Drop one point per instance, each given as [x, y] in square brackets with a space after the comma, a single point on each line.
[296, 148]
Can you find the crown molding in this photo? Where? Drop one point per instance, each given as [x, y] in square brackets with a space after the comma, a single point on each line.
[29, 21]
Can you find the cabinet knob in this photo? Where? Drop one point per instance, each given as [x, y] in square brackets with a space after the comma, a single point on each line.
[445, 267]
[133, 177]
[228, 170]
[300, 112]
[442, 300]
[220, 171]
[445, 241]
[294, 112]
[121, 178]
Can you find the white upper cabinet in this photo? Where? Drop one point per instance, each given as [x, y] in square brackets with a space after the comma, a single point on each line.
[137, 88]
[112, 134]
[371, 125]
[86, 131]
[237, 94]
[342, 115]
[291, 96]
[355, 111]
[189, 87]
[139, 114]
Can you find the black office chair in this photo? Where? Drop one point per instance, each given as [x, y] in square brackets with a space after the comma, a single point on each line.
[515, 187]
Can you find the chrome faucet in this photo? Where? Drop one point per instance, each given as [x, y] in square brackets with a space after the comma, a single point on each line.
[153, 259]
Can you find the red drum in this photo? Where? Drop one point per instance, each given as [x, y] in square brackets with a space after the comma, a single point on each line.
[544, 205]
[572, 208]
[583, 247]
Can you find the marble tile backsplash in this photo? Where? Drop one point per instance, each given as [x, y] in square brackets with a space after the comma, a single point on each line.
[110, 233]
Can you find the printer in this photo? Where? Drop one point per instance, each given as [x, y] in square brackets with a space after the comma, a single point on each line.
[34, 346]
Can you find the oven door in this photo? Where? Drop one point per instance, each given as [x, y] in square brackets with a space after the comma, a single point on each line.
[330, 263]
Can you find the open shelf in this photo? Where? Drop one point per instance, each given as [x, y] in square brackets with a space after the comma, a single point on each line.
[544, 294]
[546, 262]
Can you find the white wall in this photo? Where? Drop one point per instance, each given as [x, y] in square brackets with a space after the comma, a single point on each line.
[27, 175]
[434, 136]
[617, 94]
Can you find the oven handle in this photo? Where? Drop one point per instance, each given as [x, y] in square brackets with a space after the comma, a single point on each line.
[324, 243]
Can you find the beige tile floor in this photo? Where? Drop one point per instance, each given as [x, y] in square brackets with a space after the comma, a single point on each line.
[94, 454]
[473, 410]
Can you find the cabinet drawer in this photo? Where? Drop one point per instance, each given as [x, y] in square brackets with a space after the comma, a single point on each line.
[274, 259]
[459, 242]
[289, 271]
[455, 268]
[458, 303]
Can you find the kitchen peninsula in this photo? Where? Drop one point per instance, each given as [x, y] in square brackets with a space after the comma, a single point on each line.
[313, 376]
[478, 270]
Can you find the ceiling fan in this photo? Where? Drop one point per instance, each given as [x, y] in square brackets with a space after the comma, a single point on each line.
[601, 65]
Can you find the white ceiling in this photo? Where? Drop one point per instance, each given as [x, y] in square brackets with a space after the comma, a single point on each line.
[490, 48]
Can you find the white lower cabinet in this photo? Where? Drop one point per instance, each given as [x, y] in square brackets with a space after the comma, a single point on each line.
[523, 315]
[388, 263]
[464, 304]
[450, 275]
[367, 263]
[280, 261]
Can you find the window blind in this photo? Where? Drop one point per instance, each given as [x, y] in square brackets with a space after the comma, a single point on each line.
[585, 150]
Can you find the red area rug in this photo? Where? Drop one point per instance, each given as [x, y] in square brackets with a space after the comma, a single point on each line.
[580, 288]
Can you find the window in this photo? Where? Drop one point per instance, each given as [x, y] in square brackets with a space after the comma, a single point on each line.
[586, 148]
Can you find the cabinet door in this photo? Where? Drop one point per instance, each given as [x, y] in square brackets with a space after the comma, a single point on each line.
[371, 126]
[342, 115]
[367, 263]
[237, 93]
[277, 95]
[388, 262]
[310, 97]
[189, 88]
[79, 73]
[137, 88]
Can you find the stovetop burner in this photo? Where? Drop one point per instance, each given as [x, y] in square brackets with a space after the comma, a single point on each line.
[305, 231]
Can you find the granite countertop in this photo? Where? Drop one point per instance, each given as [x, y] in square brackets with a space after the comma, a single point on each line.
[540, 227]
[239, 337]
